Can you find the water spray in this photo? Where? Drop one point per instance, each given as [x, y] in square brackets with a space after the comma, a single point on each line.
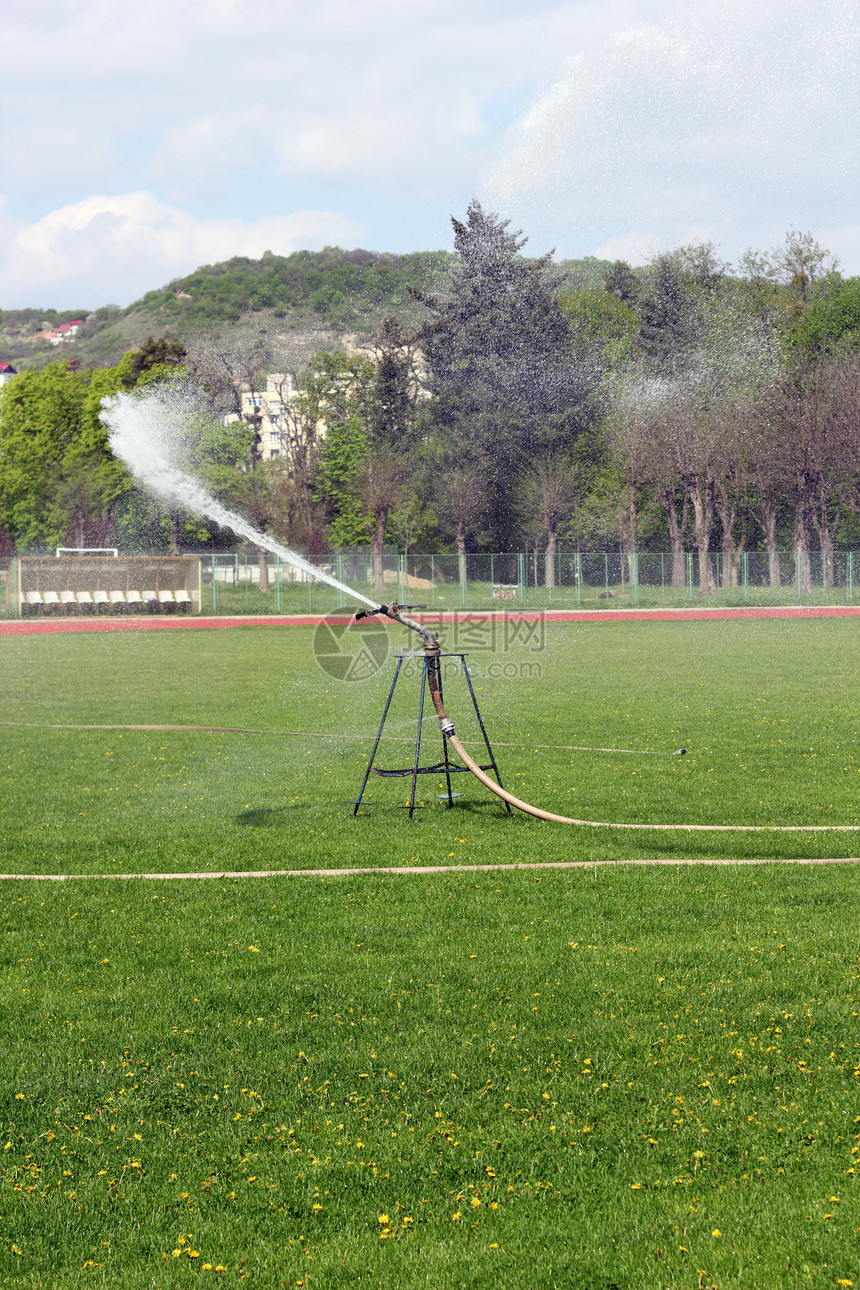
[147, 430]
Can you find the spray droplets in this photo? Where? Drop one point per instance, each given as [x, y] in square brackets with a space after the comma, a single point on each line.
[157, 432]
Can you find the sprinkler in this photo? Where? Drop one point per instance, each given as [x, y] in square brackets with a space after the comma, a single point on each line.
[431, 678]
[432, 653]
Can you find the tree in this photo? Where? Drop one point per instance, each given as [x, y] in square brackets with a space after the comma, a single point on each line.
[622, 282]
[627, 434]
[57, 474]
[815, 408]
[155, 354]
[338, 391]
[223, 372]
[391, 433]
[549, 492]
[501, 363]
[458, 491]
[667, 325]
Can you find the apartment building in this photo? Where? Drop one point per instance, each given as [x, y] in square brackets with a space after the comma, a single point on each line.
[268, 405]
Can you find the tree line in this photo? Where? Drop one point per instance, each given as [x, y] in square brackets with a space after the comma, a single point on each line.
[689, 405]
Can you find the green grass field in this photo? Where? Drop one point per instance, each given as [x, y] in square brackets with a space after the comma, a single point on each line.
[595, 1078]
[768, 711]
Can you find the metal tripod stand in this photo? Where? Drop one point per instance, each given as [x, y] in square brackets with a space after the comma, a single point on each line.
[429, 661]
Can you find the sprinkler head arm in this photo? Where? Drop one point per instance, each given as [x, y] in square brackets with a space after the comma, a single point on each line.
[394, 612]
[429, 641]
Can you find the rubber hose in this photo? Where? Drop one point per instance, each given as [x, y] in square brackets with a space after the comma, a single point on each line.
[431, 649]
[599, 824]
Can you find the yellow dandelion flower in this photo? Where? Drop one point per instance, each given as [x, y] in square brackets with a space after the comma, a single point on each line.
[476, 1202]
[716, 1232]
[635, 1186]
[843, 1281]
[455, 1218]
[384, 1219]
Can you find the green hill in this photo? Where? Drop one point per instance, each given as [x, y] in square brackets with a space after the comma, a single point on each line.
[322, 294]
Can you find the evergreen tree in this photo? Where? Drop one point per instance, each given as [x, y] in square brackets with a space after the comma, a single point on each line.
[622, 282]
[500, 360]
[666, 330]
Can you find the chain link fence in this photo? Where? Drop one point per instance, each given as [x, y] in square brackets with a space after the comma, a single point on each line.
[250, 584]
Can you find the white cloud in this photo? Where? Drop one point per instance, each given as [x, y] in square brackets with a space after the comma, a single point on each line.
[634, 247]
[115, 248]
[385, 94]
[658, 121]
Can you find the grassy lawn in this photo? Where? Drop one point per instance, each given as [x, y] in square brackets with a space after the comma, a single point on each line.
[597, 1078]
[624, 1078]
[768, 711]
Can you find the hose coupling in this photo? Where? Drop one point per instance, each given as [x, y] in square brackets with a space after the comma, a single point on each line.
[447, 727]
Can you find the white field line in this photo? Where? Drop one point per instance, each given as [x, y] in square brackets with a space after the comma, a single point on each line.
[315, 734]
[407, 870]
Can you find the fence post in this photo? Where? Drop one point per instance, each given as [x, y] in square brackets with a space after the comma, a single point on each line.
[689, 575]
[577, 569]
[402, 575]
[521, 576]
[340, 579]
[606, 573]
[462, 567]
[634, 577]
[745, 565]
[850, 575]
[214, 585]
[433, 579]
[278, 582]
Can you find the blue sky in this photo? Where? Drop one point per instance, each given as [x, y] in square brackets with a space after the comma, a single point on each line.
[142, 141]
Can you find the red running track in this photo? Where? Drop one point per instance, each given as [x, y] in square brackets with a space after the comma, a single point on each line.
[39, 626]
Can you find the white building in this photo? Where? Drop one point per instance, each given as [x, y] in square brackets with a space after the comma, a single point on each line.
[268, 405]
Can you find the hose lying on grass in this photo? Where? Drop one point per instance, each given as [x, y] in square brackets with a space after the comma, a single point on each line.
[431, 649]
